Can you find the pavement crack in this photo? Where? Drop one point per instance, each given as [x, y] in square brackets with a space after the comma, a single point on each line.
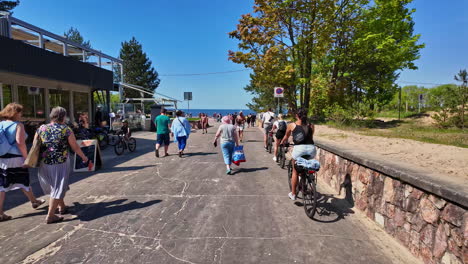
[50, 249]
[172, 255]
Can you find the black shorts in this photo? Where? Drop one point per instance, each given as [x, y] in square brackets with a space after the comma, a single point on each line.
[163, 139]
[280, 135]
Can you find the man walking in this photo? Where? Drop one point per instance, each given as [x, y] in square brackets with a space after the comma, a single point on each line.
[162, 132]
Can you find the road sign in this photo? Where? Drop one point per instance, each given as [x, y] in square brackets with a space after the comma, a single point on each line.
[279, 92]
[188, 96]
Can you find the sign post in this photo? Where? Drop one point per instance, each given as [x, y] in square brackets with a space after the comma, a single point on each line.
[188, 98]
[279, 93]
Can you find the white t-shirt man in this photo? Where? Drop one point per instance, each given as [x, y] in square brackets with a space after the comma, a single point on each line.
[268, 117]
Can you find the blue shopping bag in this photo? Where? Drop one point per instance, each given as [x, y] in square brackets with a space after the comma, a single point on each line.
[238, 155]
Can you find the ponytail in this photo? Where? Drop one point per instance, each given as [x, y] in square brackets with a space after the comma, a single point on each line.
[302, 114]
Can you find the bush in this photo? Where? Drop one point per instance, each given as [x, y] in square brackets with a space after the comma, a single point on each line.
[337, 114]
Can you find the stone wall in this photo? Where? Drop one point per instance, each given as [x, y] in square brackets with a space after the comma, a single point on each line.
[433, 228]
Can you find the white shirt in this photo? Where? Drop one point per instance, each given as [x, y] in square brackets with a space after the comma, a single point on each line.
[267, 116]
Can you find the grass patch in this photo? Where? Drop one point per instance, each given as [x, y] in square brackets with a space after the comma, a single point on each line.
[407, 130]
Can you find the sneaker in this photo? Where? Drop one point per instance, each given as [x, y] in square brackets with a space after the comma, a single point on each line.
[157, 153]
[275, 159]
[292, 196]
[228, 172]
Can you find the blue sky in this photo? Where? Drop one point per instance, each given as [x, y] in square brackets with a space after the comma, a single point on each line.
[190, 36]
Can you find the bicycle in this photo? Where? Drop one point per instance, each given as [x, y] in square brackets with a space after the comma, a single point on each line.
[281, 155]
[124, 143]
[270, 141]
[307, 185]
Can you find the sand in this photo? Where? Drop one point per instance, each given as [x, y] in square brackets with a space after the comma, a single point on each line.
[447, 161]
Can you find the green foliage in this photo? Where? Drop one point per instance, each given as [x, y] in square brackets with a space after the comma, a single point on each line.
[74, 35]
[138, 69]
[337, 114]
[345, 52]
[8, 5]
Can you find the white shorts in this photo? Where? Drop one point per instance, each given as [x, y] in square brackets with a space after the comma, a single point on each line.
[302, 150]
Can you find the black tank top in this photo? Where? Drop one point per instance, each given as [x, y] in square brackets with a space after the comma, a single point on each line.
[303, 135]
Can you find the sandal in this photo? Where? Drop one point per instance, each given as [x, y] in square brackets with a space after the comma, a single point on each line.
[4, 217]
[38, 203]
[55, 219]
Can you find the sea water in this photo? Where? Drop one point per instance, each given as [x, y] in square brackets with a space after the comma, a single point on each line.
[223, 112]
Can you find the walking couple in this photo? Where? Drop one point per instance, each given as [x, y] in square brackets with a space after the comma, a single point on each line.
[55, 139]
[179, 129]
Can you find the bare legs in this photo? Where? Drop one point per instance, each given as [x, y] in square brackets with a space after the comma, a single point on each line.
[277, 143]
[294, 178]
[30, 196]
[2, 200]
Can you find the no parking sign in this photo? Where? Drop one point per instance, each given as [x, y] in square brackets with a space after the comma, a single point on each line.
[279, 92]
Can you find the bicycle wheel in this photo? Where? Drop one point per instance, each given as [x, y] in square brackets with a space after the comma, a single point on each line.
[131, 144]
[309, 191]
[270, 144]
[282, 160]
[119, 147]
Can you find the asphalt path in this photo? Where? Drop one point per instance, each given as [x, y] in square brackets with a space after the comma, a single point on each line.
[143, 209]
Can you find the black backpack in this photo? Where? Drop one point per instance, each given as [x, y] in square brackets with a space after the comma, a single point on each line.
[282, 126]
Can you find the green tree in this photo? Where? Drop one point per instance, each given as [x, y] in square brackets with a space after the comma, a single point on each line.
[443, 99]
[8, 5]
[74, 35]
[462, 94]
[137, 69]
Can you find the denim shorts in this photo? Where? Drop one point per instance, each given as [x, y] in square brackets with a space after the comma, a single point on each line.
[163, 139]
[228, 152]
[302, 150]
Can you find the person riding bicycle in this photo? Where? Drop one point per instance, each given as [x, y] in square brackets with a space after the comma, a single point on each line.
[303, 137]
[125, 130]
[267, 121]
[279, 127]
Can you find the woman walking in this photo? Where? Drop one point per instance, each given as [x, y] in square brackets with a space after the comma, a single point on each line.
[54, 170]
[13, 174]
[229, 138]
[181, 130]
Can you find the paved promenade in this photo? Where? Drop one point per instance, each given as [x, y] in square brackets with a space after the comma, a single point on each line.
[140, 209]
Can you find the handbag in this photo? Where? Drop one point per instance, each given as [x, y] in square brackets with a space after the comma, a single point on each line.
[33, 155]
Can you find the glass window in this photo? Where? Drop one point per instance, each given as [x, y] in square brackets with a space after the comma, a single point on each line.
[59, 98]
[33, 101]
[80, 104]
[6, 93]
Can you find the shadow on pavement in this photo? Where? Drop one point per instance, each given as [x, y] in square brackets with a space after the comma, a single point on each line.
[92, 211]
[190, 154]
[110, 161]
[246, 170]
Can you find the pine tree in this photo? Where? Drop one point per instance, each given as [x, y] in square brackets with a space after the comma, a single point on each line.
[8, 5]
[138, 69]
[74, 35]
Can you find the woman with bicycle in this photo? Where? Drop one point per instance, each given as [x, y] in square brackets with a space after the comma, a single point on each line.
[303, 137]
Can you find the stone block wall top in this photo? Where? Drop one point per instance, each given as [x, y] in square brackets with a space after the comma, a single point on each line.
[427, 181]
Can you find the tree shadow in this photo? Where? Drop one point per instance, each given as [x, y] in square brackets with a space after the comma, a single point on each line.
[247, 170]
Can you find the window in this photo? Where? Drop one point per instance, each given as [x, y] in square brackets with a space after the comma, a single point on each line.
[80, 103]
[6, 94]
[33, 101]
[59, 98]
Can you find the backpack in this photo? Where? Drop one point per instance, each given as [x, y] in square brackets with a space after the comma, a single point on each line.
[282, 126]
[5, 144]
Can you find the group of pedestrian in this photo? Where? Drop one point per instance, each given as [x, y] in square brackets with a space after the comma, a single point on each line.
[179, 129]
[54, 139]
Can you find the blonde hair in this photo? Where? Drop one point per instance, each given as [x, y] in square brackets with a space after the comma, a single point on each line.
[10, 111]
[280, 116]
